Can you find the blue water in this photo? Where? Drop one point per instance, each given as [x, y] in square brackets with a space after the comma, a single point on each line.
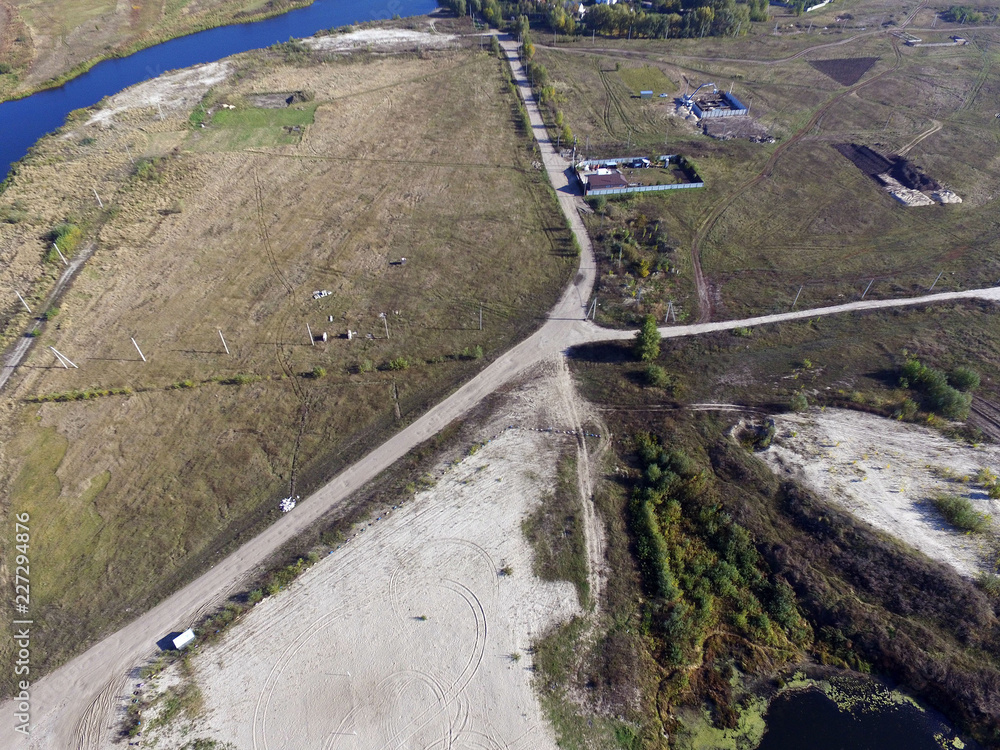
[808, 719]
[24, 121]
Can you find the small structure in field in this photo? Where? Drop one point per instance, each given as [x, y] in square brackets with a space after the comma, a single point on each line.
[636, 174]
[183, 639]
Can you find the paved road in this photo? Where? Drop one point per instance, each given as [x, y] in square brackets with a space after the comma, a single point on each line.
[71, 706]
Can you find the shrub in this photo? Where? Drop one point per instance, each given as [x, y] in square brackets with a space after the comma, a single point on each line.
[647, 340]
[318, 372]
[598, 202]
[657, 377]
[958, 511]
[51, 313]
[399, 363]
[798, 402]
[67, 236]
[964, 379]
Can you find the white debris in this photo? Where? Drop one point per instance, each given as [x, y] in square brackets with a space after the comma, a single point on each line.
[288, 503]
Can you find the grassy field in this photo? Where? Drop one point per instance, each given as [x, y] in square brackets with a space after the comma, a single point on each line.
[135, 491]
[46, 41]
[776, 217]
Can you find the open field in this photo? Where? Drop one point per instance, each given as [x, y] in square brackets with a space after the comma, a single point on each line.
[419, 628]
[45, 40]
[774, 218]
[141, 490]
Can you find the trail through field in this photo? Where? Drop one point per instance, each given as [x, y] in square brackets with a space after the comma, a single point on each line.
[62, 701]
[17, 353]
[929, 132]
[715, 213]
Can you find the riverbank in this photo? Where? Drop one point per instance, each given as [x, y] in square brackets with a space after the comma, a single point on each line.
[42, 71]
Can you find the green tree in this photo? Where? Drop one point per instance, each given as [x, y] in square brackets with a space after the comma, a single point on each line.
[647, 340]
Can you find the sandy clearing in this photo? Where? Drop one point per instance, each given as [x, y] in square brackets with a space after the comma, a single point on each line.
[343, 659]
[181, 90]
[378, 38]
[884, 472]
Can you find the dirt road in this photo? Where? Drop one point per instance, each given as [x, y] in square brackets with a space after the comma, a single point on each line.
[69, 706]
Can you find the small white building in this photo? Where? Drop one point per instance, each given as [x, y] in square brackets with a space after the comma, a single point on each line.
[183, 639]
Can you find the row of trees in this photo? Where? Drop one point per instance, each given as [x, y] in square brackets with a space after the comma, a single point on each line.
[666, 18]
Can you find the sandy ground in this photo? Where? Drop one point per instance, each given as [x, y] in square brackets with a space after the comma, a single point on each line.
[345, 658]
[378, 39]
[885, 472]
[171, 92]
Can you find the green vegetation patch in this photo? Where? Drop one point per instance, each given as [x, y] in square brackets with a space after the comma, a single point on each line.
[555, 530]
[647, 78]
[256, 127]
[960, 513]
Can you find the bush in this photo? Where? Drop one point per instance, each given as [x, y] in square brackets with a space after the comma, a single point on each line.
[399, 363]
[598, 202]
[318, 372]
[958, 511]
[647, 340]
[51, 313]
[798, 402]
[657, 377]
[67, 236]
[964, 379]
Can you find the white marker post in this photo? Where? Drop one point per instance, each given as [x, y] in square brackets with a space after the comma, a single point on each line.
[139, 350]
[65, 262]
[22, 301]
[62, 357]
[223, 341]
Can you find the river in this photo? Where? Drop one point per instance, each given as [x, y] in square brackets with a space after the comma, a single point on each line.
[24, 121]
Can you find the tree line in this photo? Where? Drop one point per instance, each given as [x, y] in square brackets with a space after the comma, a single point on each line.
[665, 19]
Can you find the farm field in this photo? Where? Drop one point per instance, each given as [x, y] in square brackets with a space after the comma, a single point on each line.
[774, 219]
[42, 40]
[145, 471]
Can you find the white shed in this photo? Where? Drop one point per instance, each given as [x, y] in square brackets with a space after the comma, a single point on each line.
[183, 639]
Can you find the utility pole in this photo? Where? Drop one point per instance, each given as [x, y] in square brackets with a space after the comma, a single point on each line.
[867, 288]
[65, 262]
[312, 341]
[99, 201]
[385, 322]
[63, 358]
[796, 298]
[480, 316]
[671, 312]
[138, 350]
[936, 281]
[129, 154]
[22, 301]
[224, 345]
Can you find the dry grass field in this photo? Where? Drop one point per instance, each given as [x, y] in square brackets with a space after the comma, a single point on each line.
[776, 217]
[229, 227]
[44, 40]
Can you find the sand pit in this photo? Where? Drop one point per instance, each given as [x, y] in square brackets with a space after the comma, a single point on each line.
[885, 472]
[378, 39]
[410, 635]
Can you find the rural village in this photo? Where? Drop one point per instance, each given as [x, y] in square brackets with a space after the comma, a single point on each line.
[500, 374]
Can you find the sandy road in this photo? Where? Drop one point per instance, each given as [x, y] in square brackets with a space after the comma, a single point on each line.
[70, 706]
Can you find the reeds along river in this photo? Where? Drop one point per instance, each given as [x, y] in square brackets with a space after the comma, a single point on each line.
[24, 121]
